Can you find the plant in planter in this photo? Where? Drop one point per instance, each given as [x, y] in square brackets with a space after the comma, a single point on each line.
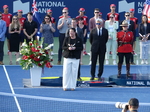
[34, 54]
[35, 57]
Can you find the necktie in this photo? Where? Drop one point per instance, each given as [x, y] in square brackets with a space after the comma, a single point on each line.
[99, 32]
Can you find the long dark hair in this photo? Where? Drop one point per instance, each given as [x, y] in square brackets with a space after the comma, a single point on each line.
[73, 30]
[146, 19]
[44, 19]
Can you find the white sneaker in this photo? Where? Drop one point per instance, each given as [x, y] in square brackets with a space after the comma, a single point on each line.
[146, 62]
[90, 62]
[107, 62]
[52, 53]
[114, 62]
[142, 62]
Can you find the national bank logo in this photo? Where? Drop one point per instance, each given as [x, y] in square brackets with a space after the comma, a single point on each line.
[19, 5]
[42, 6]
[124, 6]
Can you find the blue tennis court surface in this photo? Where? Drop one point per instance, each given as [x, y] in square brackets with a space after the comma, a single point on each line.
[111, 94]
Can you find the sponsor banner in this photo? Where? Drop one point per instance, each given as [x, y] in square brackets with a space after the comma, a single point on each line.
[56, 6]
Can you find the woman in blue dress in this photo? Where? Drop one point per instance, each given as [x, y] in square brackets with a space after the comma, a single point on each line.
[47, 29]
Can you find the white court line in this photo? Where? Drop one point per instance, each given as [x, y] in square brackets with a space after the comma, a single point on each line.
[12, 90]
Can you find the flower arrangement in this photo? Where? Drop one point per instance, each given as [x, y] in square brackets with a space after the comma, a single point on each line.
[33, 54]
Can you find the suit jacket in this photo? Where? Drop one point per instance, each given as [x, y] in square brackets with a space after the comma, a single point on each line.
[75, 53]
[141, 30]
[113, 34]
[92, 24]
[98, 43]
[79, 33]
[131, 26]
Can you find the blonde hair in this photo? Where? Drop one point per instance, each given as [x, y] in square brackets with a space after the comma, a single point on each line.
[17, 23]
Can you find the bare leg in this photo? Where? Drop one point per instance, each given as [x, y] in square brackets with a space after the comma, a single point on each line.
[10, 58]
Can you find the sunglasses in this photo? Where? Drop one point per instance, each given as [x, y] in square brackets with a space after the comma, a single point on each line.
[124, 26]
[47, 18]
[15, 19]
[113, 7]
[96, 12]
[111, 17]
[98, 23]
[20, 12]
[64, 12]
[127, 15]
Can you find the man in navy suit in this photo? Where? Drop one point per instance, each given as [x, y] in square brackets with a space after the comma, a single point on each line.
[98, 40]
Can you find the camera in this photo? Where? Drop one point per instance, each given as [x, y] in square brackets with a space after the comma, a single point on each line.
[122, 105]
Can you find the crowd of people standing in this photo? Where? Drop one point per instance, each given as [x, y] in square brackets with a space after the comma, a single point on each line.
[107, 37]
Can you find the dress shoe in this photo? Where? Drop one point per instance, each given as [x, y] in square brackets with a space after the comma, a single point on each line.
[17, 63]
[92, 78]
[59, 63]
[99, 79]
[146, 62]
[1, 63]
[132, 63]
[118, 76]
[79, 79]
[52, 53]
[10, 63]
[142, 62]
[107, 62]
[90, 62]
[114, 62]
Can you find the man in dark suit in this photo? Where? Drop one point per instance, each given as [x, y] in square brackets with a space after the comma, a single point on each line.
[98, 40]
[79, 33]
[131, 27]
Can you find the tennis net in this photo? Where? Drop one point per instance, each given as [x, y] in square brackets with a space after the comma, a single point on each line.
[27, 103]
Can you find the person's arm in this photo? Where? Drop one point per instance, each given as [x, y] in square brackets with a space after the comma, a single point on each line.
[35, 31]
[90, 25]
[3, 30]
[10, 29]
[105, 24]
[24, 31]
[60, 24]
[67, 33]
[91, 37]
[106, 36]
[52, 27]
[80, 47]
[116, 25]
[41, 28]
[65, 45]
[85, 32]
[19, 29]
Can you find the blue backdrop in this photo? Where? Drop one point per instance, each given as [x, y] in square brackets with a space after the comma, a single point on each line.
[74, 5]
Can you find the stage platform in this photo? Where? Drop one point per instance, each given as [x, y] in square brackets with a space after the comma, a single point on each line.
[134, 80]
[57, 81]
